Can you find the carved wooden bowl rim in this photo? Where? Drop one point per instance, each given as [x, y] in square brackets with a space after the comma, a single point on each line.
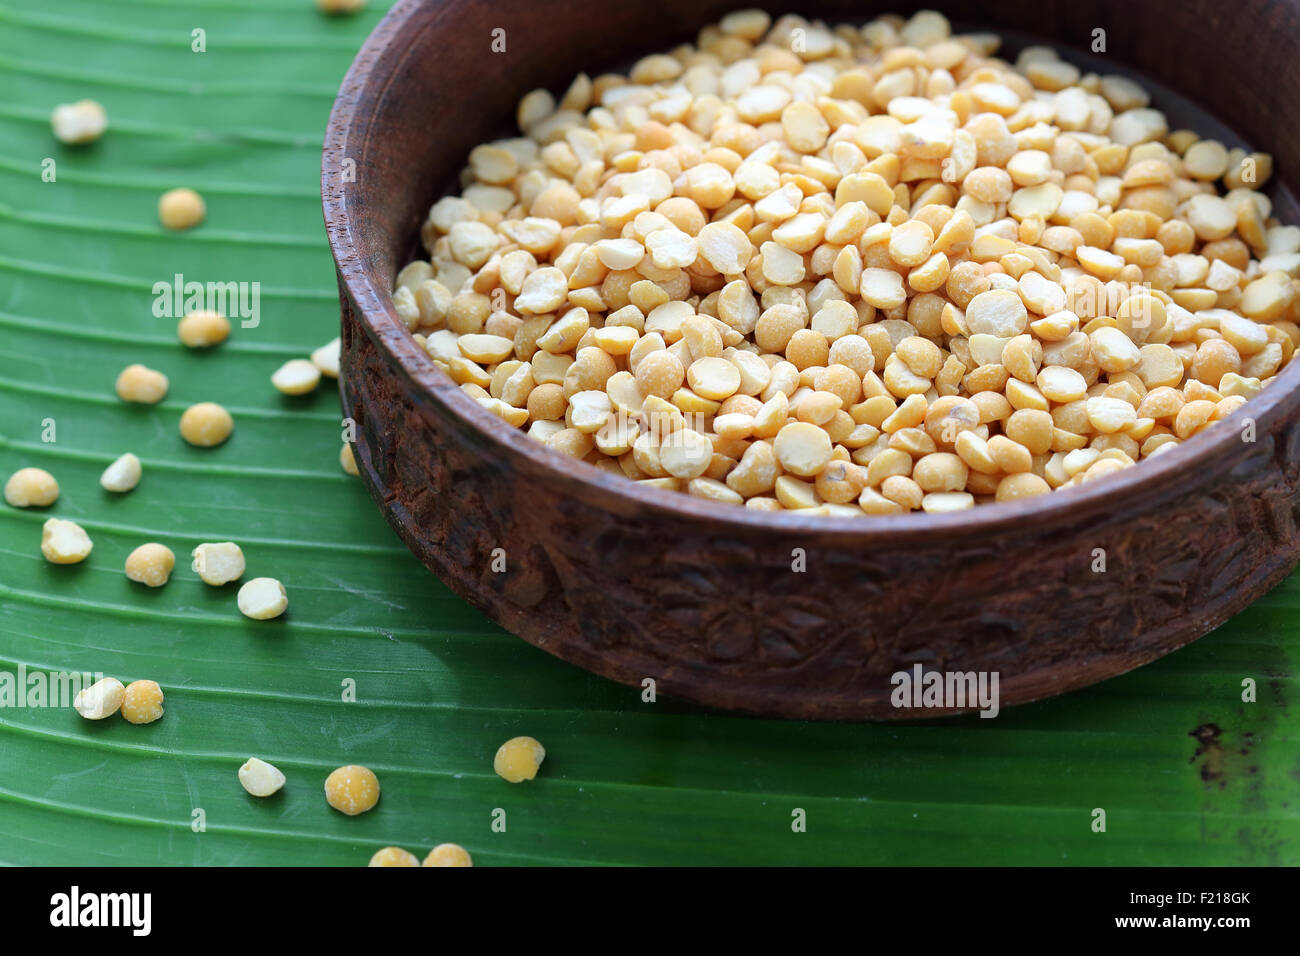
[1168, 475]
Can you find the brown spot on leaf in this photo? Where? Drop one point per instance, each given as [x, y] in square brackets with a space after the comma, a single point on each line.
[1210, 753]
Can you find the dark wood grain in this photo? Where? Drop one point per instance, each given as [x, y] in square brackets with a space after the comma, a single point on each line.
[636, 583]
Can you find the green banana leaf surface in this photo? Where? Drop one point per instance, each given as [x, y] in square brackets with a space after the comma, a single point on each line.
[1185, 770]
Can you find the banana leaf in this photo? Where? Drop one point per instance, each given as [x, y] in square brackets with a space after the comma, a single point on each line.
[376, 662]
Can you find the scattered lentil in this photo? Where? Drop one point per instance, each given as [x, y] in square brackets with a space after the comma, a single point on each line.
[448, 854]
[218, 563]
[150, 564]
[352, 789]
[203, 329]
[260, 778]
[340, 7]
[122, 475]
[181, 209]
[81, 122]
[262, 599]
[348, 461]
[326, 358]
[141, 385]
[296, 377]
[31, 488]
[142, 702]
[206, 424]
[64, 542]
[101, 699]
[394, 856]
[518, 759]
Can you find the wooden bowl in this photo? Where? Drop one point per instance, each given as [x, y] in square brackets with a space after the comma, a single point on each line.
[707, 600]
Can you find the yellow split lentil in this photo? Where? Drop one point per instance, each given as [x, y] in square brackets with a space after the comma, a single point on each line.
[518, 759]
[65, 542]
[262, 599]
[81, 122]
[141, 385]
[180, 209]
[203, 329]
[260, 778]
[218, 563]
[296, 377]
[123, 474]
[348, 461]
[100, 700]
[142, 702]
[352, 789]
[856, 270]
[448, 854]
[31, 488]
[394, 856]
[150, 564]
[206, 424]
[326, 358]
[340, 7]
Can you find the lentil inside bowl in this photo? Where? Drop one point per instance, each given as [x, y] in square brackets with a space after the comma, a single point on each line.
[856, 270]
